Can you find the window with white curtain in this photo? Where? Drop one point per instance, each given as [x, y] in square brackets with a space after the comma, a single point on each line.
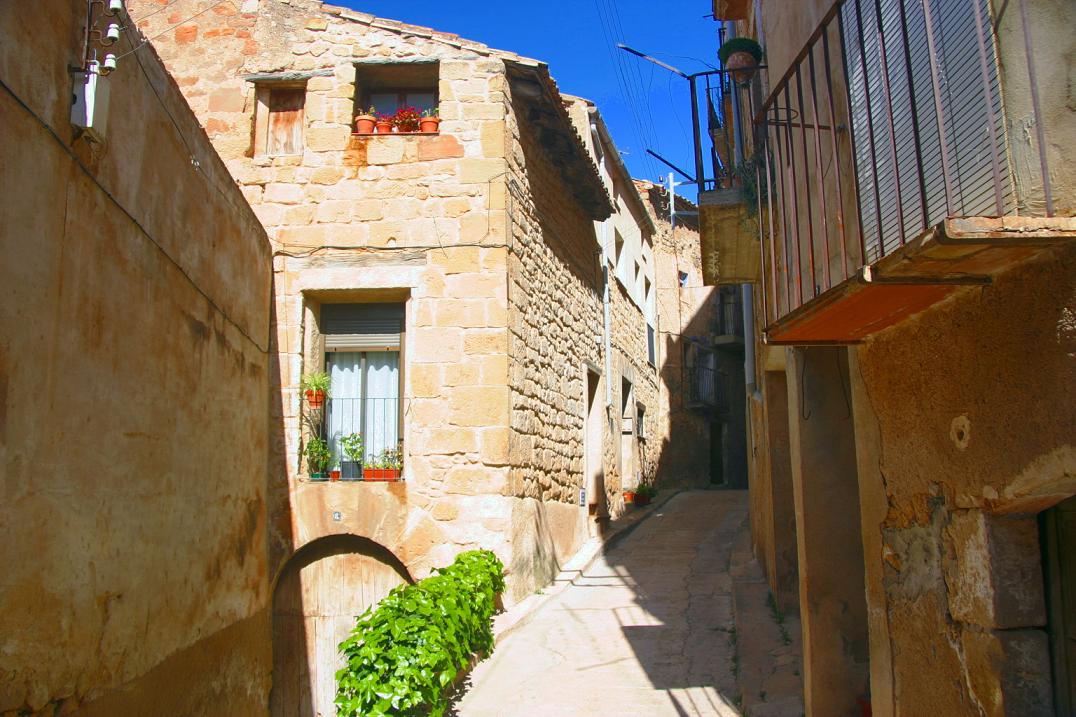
[363, 362]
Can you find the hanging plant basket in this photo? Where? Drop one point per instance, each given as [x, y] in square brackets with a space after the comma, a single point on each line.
[742, 56]
[315, 398]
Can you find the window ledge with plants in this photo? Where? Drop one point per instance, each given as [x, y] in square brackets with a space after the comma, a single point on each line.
[406, 121]
[343, 455]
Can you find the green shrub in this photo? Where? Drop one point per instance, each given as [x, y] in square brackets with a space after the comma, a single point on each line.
[403, 656]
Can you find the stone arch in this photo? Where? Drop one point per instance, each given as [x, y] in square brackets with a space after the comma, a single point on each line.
[317, 594]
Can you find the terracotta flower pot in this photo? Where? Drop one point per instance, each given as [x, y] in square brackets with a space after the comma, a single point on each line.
[380, 474]
[315, 399]
[737, 63]
[334, 475]
[429, 124]
[629, 497]
[384, 126]
[364, 124]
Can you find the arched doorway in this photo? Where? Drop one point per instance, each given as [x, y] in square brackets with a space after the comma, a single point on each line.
[320, 592]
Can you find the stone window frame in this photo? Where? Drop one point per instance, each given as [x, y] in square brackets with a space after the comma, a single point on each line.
[395, 77]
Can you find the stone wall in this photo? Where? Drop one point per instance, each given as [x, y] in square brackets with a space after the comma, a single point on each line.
[416, 218]
[555, 330]
[133, 383]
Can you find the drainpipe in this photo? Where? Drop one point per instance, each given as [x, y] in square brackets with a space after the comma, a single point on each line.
[747, 291]
[748, 308]
[606, 340]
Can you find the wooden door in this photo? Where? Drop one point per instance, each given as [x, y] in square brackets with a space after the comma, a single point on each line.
[1059, 538]
[314, 609]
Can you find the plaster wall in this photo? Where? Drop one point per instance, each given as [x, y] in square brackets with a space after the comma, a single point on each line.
[133, 396]
[957, 454]
[833, 609]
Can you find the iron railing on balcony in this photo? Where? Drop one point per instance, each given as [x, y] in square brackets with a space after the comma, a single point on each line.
[707, 386]
[728, 318]
[888, 121]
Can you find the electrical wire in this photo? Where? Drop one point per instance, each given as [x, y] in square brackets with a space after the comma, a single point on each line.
[130, 216]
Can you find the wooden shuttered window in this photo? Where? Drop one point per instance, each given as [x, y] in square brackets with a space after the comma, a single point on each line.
[362, 327]
[285, 129]
[902, 80]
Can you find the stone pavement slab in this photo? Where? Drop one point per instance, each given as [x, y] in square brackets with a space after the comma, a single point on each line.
[647, 628]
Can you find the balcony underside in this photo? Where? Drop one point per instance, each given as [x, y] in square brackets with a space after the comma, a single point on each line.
[945, 258]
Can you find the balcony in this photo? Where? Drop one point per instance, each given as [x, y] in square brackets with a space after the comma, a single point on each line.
[888, 171]
[707, 389]
[727, 326]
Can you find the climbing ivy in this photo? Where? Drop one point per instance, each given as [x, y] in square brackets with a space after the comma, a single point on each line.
[403, 656]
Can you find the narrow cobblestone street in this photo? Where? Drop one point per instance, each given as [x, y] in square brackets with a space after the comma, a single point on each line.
[656, 626]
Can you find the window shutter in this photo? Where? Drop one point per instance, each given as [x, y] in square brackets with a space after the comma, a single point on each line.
[286, 121]
[362, 327]
[966, 137]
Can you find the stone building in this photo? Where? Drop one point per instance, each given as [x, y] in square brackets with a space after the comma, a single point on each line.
[451, 283]
[914, 283]
[134, 371]
[700, 337]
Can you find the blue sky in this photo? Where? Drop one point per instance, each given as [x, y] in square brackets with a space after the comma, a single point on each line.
[644, 105]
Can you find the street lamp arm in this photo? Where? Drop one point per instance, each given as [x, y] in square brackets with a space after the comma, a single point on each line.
[656, 61]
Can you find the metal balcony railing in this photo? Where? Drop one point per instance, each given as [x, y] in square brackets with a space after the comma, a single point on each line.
[888, 121]
[376, 421]
[728, 319]
[706, 388]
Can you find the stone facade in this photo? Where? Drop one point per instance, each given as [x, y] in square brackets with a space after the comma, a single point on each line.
[134, 371]
[687, 314]
[474, 229]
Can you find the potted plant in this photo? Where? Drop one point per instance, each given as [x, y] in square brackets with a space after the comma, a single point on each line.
[317, 457]
[629, 496]
[334, 474]
[385, 467]
[429, 121]
[364, 123]
[644, 493]
[384, 123]
[353, 447]
[406, 120]
[742, 56]
[316, 387]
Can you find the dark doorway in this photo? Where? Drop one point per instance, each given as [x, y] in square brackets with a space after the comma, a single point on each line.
[1058, 530]
[717, 454]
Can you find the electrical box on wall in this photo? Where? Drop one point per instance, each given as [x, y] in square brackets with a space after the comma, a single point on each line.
[89, 107]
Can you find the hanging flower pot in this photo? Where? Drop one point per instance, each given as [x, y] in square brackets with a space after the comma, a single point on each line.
[741, 56]
[316, 387]
[365, 123]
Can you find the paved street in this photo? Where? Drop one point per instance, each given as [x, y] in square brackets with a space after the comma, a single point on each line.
[650, 629]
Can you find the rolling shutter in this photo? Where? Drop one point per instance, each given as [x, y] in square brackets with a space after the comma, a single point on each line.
[362, 327]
